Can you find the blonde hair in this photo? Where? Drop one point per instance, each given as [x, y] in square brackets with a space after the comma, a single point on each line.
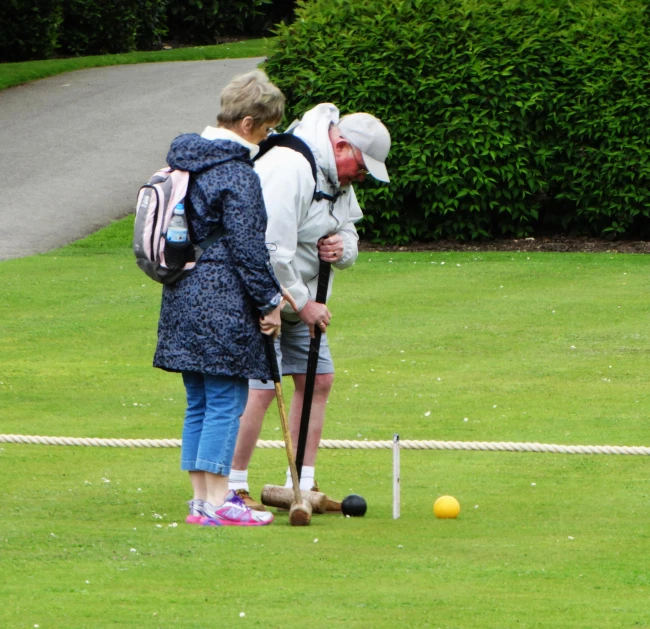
[251, 94]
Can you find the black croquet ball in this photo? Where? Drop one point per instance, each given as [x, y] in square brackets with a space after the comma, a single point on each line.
[354, 505]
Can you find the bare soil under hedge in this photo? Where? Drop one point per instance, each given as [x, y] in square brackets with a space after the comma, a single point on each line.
[553, 243]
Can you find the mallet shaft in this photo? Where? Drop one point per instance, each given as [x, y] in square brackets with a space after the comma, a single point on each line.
[312, 364]
[300, 510]
[287, 440]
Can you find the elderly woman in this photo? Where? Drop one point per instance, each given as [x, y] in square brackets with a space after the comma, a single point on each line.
[212, 320]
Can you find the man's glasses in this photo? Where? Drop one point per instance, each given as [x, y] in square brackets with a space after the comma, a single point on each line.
[361, 167]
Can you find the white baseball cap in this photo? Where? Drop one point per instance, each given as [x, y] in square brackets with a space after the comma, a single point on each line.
[371, 137]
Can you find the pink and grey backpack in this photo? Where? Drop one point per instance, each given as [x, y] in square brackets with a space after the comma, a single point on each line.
[156, 202]
[167, 187]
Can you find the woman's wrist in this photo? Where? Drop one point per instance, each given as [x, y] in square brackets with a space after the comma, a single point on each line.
[271, 306]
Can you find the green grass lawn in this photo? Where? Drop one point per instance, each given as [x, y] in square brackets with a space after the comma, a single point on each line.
[16, 73]
[487, 346]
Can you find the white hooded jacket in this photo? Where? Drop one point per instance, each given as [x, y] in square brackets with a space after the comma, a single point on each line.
[295, 221]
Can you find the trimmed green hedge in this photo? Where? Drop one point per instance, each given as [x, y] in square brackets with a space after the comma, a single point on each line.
[42, 29]
[206, 20]
[29, 30]
[508, 117]
[105, 26]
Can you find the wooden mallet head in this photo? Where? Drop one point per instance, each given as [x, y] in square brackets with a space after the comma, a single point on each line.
[300, 513]
[283, 498]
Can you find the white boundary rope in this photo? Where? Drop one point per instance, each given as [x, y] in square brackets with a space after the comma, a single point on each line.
[331, 444]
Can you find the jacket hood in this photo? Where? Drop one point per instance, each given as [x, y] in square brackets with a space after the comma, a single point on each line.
[313, 128]
[194, 153]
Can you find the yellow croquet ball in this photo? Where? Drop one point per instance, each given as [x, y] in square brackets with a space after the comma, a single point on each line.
[446, 507]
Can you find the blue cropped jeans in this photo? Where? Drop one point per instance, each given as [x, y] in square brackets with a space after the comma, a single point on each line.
[214, 406]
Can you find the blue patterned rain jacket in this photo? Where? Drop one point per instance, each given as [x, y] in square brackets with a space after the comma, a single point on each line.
[209, 319]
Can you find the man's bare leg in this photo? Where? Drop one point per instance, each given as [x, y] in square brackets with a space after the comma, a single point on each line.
[322, 388]
[250, 426]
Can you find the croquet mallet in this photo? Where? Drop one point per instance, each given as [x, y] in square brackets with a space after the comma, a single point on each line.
[300, 509]
[324, 272]
[312, 364]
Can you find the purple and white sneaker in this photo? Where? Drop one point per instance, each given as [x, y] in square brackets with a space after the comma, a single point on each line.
[234, 512]
[196, 512]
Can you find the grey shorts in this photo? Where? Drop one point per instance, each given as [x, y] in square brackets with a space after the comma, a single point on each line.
[292, 348]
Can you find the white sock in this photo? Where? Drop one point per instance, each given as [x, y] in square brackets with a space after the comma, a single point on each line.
[238, 479]
[306, 478]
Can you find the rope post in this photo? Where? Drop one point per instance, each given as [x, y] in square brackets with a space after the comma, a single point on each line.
[396, 477]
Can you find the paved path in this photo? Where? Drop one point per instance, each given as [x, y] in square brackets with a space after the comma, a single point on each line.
[75, 148]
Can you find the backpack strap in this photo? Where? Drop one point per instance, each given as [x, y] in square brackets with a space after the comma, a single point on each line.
[210, 239]
[291, 141]
[213, 237]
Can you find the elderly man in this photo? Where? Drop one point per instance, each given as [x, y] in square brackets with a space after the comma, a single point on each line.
[309, 221]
